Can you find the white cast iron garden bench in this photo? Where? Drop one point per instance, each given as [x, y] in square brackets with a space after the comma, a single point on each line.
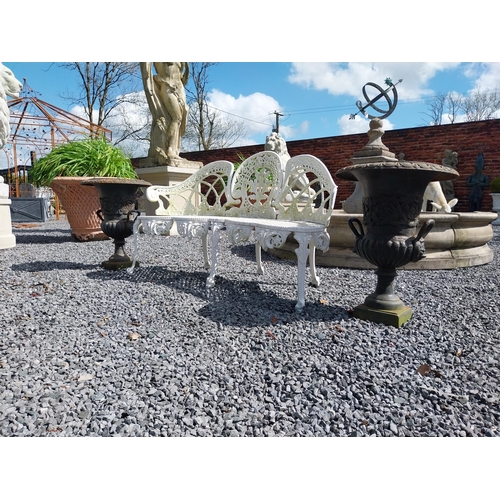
[256, 200]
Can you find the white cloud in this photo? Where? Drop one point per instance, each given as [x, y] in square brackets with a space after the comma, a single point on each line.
[256, 112]
[356, 126]
[446, 119]
[349, 78]
[80, 111]
[485, 75]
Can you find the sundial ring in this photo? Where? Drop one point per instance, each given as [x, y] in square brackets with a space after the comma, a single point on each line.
[383, 93]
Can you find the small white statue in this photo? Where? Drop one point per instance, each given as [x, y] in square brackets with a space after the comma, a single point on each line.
[276, 143]
[434, 194]
[4, 189]
[9, 86]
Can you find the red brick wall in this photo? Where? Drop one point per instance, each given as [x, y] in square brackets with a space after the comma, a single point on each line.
[418, 144]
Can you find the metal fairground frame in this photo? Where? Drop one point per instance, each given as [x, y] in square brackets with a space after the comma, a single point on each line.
[36, 128]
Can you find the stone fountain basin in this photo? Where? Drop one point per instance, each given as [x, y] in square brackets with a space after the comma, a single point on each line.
[458, 239]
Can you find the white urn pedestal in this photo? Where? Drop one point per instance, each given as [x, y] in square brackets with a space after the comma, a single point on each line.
[496, 207]
[7, 239]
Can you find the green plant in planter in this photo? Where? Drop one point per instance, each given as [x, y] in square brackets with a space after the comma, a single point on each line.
[86, 158]
[495, 185]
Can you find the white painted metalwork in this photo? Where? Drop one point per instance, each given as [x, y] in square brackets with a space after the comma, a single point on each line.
[255, 202]
[205, 192]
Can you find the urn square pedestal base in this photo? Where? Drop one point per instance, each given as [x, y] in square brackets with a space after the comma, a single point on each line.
[7, 239]
[116, 264]
[394, 317]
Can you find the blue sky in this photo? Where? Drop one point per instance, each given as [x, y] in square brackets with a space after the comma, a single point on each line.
[316, 99]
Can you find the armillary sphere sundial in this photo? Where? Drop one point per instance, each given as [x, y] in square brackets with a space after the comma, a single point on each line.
[391, 102]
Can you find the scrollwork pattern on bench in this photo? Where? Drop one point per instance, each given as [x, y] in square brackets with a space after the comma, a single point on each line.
[192, 229]
[238, 233]
[157, 227]
[271, 238]
[321, 241]
[262, 200]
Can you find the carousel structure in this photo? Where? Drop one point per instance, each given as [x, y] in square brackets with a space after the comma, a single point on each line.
[36, 128]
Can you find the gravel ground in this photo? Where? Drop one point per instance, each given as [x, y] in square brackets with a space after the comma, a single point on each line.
[90, 352]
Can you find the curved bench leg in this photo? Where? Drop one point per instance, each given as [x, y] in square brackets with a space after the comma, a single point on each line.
[258, 257]
[315, 281]
[204, 242]
[135, 232]
[302, 252]
[216, 227]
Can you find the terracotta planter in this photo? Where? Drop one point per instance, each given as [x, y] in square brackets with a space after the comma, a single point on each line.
[81, 204]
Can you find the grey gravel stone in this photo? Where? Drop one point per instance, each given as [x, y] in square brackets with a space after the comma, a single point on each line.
[90, 352]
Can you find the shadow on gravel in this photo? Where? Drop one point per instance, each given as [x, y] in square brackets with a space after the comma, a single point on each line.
[39, 235]
[239, 303]
[247, 252]
[39, 265]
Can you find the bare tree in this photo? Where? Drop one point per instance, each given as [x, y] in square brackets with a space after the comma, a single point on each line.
[107, 89]
[207, 127]
[480, 105]
[475, 106]
[443, 104]
[453, 102]
[436, 109]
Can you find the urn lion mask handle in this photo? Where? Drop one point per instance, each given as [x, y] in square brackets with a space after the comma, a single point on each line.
[393, 195]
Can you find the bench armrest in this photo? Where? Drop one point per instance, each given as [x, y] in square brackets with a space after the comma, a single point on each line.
[205, 192]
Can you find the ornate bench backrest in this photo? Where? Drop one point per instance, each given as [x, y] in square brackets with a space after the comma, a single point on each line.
[206, 192]
[256, 184]
[308, 192]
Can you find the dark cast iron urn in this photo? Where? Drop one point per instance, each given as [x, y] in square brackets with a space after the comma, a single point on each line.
[119, 206]
[392, 200]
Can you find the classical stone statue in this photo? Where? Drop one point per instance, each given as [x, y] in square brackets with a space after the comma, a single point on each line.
[477, 182]
[9, 86]
[450, 159]
[166, 98]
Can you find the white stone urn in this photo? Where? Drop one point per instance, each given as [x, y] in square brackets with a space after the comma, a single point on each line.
[7, 239]
[496, 207]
